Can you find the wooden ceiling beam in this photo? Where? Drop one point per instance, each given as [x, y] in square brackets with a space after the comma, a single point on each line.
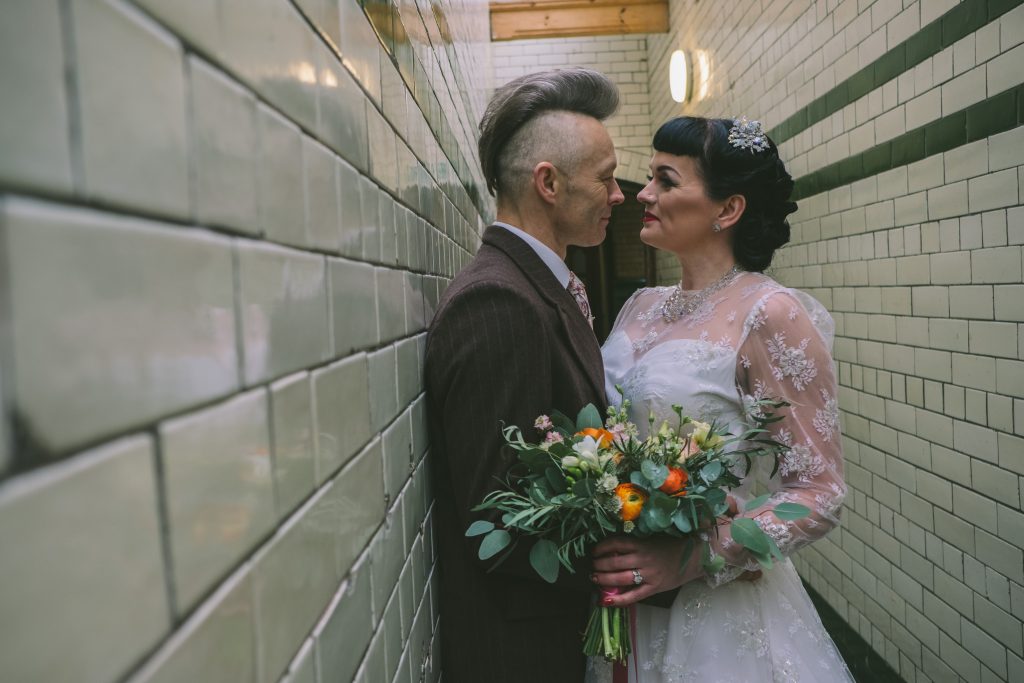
[570, 18]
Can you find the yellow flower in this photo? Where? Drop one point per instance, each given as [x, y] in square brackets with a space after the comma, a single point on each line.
[703, 437]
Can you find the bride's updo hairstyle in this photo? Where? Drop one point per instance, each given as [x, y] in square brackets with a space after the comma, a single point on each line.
[726, 170]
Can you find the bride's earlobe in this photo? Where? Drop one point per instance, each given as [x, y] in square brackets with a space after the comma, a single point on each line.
[732, 211]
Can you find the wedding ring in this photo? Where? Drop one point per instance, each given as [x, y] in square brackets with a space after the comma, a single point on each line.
[637, 578]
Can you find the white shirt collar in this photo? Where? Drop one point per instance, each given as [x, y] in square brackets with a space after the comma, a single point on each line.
[552, 260]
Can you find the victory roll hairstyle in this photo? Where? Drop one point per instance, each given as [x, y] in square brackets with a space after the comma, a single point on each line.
[505, 147]
[752, 170]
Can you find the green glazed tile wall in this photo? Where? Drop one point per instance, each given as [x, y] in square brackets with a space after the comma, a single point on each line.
[223, 228]
[998, 114]
[960, 21]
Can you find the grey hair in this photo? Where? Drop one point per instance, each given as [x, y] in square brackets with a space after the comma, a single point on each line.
[513, 131]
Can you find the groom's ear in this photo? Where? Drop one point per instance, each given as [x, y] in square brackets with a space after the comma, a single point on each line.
[546, 181]
[732, 210]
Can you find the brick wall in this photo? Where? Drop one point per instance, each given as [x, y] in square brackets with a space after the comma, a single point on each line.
[902, 122]
[223, 228]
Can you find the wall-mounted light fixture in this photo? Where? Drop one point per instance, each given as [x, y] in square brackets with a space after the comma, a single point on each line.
[679, 80]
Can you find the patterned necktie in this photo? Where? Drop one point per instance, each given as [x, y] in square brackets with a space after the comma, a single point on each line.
[579, 292]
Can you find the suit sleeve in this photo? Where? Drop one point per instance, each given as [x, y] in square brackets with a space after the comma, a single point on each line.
[488, 366]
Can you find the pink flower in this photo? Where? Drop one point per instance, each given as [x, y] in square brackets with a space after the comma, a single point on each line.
[553, 437]
[543, 423]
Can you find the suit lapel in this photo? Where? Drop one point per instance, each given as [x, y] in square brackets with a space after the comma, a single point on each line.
[581, 337]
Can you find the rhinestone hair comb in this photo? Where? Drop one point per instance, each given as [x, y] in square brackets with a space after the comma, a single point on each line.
[748, 135]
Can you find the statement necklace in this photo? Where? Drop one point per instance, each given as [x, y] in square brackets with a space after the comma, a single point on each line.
[680, 303]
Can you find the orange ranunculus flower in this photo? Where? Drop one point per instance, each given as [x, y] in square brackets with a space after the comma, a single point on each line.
[675, 481]
[633, 498]
[603, 437]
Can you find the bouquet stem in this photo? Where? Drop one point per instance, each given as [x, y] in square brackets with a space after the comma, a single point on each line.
[607, 633]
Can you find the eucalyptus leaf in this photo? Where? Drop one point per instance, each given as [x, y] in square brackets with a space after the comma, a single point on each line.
[639, 479]
[493, 543]
[656, 519]
[654, 472]
[711, 471]
[584, 488]
[747, 533]
[716, 498]
[764, 561]
[480, 526]
[663, 502]
[555, 478]
[790, 511]
[563, 422]
[682, 521]
[757, 502]
[544, 559]
[589, 418]
[536, 459]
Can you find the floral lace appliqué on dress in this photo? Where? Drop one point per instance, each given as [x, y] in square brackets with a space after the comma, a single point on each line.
[754, 339]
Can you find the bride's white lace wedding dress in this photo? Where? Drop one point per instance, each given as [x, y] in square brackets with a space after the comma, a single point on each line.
[751, 339]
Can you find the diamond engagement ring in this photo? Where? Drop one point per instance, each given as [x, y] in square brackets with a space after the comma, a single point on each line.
[637, 578]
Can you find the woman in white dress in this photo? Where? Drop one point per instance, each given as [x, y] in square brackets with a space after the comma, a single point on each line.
[725, 336]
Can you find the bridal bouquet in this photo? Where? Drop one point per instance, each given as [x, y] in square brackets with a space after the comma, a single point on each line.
[590, 478]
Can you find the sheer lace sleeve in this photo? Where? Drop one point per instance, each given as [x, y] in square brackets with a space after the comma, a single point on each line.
[785, 354]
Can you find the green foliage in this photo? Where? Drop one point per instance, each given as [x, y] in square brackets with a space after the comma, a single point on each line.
[544, 559]
[758, 502]
[562, 423]
[589, 418]
[790, 511]
[493, 543]
[555, 479]
[657, 513]
[747, 533]
[712, 471]
[682, 521]
[481, 526]
[584, 488]
[655, 473]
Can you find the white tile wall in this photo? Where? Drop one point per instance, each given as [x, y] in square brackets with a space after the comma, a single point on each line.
[199, 259]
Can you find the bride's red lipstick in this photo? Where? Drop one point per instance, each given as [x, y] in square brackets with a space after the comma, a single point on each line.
[648, 217]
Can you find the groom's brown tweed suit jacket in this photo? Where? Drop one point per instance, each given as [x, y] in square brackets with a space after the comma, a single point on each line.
[507, 344]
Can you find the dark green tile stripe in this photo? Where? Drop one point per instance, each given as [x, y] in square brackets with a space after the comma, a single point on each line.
[995, 115]
[958, 22]
[866, 665]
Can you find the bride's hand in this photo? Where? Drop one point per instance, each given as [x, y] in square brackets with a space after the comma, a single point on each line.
[656, 559]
